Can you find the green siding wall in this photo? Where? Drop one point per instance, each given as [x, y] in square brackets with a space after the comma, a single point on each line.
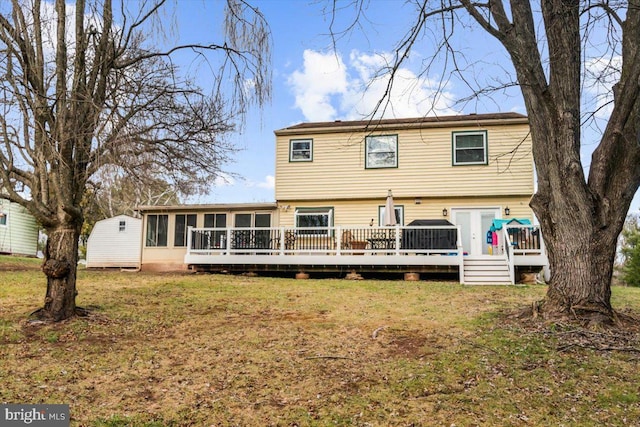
[19, 236]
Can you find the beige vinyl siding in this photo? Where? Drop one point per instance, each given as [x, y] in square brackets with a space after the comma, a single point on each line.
[424, 169]
[171, 257]
[168, 257]
[360, 212]
[20, 235]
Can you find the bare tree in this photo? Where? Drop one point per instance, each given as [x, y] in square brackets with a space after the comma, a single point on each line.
[82, 88]
[116, 194]
[113, 194]
[552, 50]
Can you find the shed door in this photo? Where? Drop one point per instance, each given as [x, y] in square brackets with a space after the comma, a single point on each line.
[474, 225]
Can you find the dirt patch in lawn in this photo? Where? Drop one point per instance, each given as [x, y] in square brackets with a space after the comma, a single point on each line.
[18, 266]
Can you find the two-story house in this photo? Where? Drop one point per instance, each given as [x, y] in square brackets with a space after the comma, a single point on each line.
[455, 180]
[467, 169]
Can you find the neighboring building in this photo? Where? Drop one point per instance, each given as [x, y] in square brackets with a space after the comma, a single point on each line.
[115, 243]
[468, 169]
[450, 177]
[18, 230]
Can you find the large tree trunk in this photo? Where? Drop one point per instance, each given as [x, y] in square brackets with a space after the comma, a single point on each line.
[60, 267]
[580, 218]
[580, 226]
[581, 263]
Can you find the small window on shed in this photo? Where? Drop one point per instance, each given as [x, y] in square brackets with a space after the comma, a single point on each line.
[122, 226]
[3, 218]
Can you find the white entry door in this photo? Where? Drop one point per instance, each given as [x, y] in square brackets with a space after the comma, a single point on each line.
[474, 225]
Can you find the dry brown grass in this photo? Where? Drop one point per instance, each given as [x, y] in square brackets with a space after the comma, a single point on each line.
[244, 351]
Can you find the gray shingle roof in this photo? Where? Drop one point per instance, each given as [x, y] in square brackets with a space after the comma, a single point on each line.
[405, 122]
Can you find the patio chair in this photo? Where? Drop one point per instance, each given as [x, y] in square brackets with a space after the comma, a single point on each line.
[346, 239]
[289, 240]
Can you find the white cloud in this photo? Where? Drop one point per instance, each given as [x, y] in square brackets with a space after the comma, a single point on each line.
[600, 76]
[268, 183]
[224, 180]
[327, 88]
[323, 75]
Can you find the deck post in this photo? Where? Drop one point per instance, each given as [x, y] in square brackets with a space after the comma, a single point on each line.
[281, 240]
[397, 245]
[339, 240]
[228, 243]
[189, 238]
[509, 254]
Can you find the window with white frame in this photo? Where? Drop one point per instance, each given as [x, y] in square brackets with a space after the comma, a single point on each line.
[157, 230]
[257, 239]
[469, 148]
[399, 215]
[183, 222]
[381, 151]
[216, 220]
[317, 221]
[301, 150]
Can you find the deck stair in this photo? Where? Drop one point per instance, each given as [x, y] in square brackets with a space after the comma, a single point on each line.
[486, 270]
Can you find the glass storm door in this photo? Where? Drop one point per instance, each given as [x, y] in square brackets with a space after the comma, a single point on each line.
[474, 225]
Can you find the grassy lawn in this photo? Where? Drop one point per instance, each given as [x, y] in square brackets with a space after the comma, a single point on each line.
[197, 350]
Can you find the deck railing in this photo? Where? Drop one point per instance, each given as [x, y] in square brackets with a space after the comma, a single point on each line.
[338, 240]
[524, 239]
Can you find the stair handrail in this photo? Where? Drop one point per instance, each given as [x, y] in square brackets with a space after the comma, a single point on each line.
[460, 253]
[509, 254]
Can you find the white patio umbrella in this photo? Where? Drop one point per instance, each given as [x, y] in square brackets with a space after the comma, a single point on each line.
[389, 211]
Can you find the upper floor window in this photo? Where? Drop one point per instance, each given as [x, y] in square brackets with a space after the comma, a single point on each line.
[182, 224]
[470, 148]
[122, 226]
[301, 150]
[157, 230]
[381, 151]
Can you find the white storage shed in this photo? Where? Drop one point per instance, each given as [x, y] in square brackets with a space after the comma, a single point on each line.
[115, 243]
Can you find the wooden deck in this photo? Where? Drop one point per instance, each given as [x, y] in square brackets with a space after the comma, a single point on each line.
[343, 249]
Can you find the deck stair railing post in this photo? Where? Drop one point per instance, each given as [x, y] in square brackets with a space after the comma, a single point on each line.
[338, 245]
[509, 253]
[460, 251]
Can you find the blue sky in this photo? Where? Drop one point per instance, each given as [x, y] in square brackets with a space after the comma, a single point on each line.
[314, 82]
